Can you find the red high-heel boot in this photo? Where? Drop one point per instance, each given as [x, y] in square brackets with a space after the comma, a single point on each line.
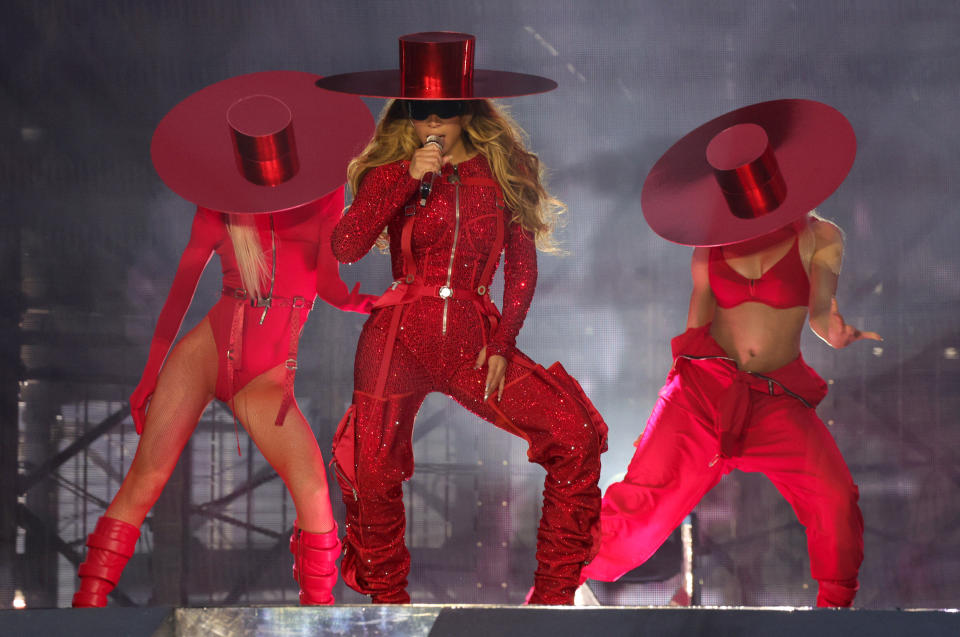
[111, 544]
[315, 564]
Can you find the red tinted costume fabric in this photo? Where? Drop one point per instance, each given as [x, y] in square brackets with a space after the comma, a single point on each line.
[249, 341]
[712, 418]
[785, 284]
[431, 344]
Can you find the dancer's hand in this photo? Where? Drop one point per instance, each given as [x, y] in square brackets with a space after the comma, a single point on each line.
[496, 373]
[840, 334]
[138, 402]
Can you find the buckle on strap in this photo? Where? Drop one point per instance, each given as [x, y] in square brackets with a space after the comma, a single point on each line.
[410, 210]
[298, 302]
[262, 302]
[290, 363]
[236, 293]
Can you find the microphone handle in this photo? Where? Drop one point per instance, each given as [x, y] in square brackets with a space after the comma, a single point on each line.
[426, 186]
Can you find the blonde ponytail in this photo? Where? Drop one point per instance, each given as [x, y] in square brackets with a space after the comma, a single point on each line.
[250, 258]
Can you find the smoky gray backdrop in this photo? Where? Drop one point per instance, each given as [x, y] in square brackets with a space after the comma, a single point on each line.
[91, 238]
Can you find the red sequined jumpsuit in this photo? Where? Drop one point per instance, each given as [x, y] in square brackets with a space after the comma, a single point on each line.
[424, 335]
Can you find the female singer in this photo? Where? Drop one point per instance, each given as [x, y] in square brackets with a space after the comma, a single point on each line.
[449, 208]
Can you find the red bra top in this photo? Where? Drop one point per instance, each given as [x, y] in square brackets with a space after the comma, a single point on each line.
[784, 285]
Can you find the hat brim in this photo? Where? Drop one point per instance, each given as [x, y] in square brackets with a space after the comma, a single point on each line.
[486, 85]
[814, 146]
[193, 152]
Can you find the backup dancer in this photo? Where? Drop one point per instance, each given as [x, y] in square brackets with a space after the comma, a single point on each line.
[448, 180]
[739, 395]
[267, 204]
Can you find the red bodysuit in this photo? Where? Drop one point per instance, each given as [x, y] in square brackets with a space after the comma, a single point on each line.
[249, 339]
[424, 335]
[711, 418]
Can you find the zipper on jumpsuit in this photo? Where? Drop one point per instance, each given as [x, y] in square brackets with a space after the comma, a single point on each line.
[455, 179]
[340, 472]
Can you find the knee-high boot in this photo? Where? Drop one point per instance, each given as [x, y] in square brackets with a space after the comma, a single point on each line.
[110, 547]
[315, 564]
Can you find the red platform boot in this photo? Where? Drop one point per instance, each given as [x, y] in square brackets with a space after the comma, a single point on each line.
[111, 544]
[315, 564]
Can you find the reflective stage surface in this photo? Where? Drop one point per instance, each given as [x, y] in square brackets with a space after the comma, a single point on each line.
[477, 620]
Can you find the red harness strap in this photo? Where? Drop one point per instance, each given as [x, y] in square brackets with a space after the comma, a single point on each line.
[408, 289]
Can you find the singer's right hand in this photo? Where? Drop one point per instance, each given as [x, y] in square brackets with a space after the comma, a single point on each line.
[429, 159]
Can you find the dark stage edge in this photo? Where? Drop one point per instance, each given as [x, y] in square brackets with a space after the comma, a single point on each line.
[480, 621]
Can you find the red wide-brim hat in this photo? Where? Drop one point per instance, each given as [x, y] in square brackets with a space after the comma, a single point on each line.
[258, 143]
[437, 65]
[748, 172]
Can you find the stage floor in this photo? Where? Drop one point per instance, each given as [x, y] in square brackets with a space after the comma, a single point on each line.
[477, 621]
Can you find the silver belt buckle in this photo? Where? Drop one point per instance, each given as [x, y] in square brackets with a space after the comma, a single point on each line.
[444, 292]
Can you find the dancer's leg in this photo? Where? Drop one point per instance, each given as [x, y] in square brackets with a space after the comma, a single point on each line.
[184, 388]
[669, 473]
[790, 444]
[292, 450]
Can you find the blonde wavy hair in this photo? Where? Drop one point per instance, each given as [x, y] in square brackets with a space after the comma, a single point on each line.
[489, 130]
[250, 257]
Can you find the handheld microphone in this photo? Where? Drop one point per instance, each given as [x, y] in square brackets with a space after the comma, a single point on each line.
[426, 182]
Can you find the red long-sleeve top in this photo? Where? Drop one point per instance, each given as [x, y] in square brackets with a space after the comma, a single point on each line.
[450, 243]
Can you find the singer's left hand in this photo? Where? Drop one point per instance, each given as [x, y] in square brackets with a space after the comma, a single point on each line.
[496, 373]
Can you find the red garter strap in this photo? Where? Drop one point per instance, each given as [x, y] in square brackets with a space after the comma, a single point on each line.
[235, 352]
[296, 319]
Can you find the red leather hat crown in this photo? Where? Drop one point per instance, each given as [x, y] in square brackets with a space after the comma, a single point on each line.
[437, 65]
